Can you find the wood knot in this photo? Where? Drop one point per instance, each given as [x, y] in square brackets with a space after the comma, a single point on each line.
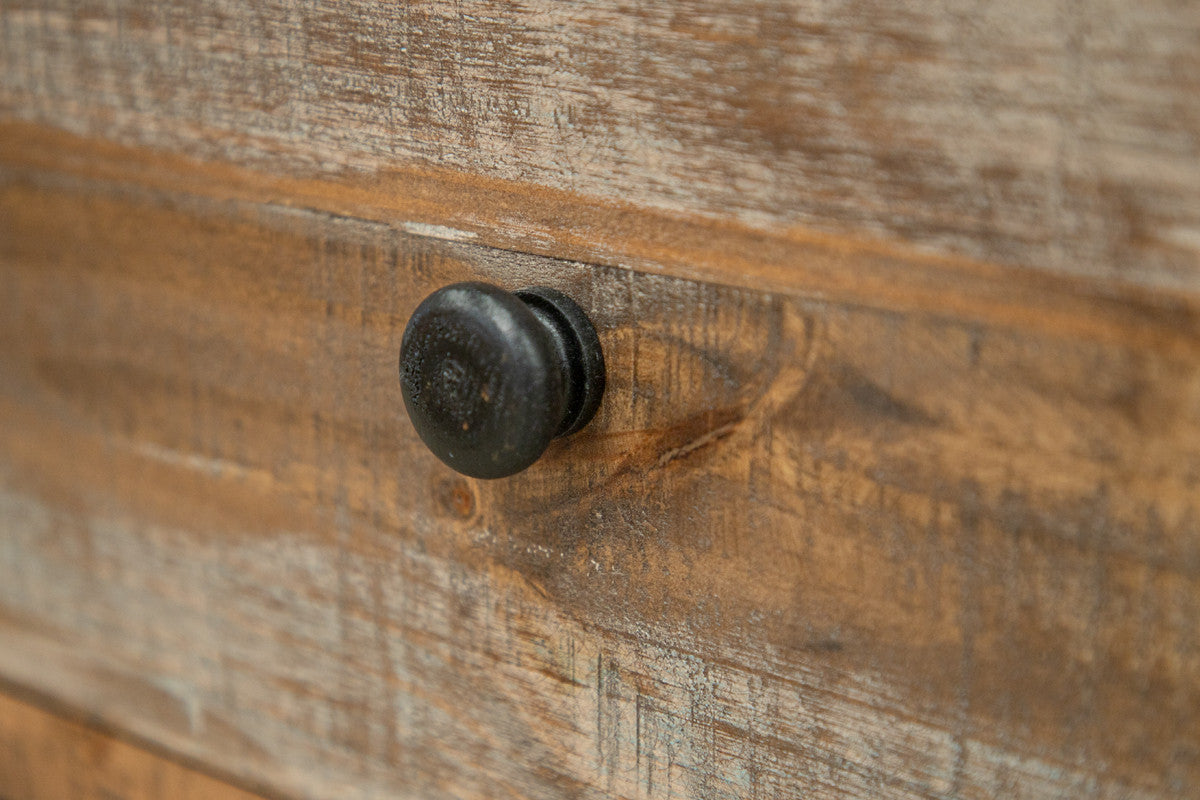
[455, 498]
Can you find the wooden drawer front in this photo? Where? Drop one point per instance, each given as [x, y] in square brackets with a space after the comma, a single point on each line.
[894, 491]
[805, 545]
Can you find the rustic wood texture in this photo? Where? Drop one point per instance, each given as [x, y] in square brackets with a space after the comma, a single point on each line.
[47, 757]
[1060, 136]
[808, 547]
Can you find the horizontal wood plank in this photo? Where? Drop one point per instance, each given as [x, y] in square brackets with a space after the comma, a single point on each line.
[446, 205]
[1062, 137]
[47, 757]
[807, 547]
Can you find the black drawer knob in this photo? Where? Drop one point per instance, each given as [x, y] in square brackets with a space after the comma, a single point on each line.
[489, 377]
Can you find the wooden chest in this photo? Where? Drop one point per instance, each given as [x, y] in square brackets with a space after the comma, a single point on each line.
[894, 491]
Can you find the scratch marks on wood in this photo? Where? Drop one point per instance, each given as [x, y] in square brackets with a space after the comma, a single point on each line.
[703, 440]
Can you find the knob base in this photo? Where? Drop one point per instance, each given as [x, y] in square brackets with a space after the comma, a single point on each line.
[582, 359]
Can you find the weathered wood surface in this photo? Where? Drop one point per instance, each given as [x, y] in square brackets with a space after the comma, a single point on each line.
[808, 548]
[1060, 136]
[47, 757]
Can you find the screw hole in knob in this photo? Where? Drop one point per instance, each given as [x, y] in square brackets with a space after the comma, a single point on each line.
[490, 377]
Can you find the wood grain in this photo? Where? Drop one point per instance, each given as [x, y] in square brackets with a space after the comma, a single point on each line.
[47, 757]
[807, 548]
[1058, 136]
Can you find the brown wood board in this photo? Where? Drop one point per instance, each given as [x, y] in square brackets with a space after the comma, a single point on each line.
[47, 757]
[1062, 137]
[447, 205]
[807, 547]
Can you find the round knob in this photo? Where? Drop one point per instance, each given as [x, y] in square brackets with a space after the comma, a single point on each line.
[490, 377]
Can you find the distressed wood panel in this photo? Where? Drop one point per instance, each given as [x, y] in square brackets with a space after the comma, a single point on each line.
[47, 757]
[447, 205]
[1062, 136]
[807, 547]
